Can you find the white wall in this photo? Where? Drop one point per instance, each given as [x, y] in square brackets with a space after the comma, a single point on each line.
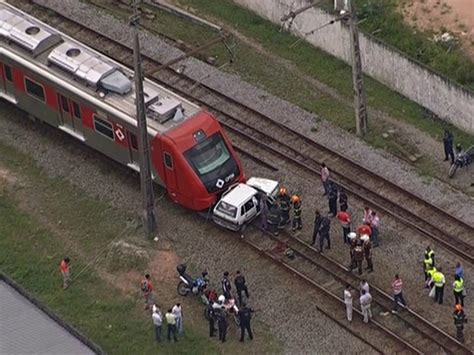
[445, 98]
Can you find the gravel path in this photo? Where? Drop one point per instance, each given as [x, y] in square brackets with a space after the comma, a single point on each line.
[401, 251]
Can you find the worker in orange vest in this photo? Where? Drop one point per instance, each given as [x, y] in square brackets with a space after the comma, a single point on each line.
[64, 268]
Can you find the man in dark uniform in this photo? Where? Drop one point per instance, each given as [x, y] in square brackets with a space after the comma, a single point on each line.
[222, 323]
[317, 224]
[324, 233]
[332, 199]
[240, 286]
[448, 145]
[343, 206]
[226, 287]
[211, 318]
[245, 315]
[368, 255]
[284, 204]
[358, 254]
[459, 319]
[296, 224]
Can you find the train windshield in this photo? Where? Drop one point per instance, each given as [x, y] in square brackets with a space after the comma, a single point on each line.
[213, 163]
[209, 155]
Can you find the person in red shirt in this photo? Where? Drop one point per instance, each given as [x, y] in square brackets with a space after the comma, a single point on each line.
[64, 268]
[344, 218]
[147, 289]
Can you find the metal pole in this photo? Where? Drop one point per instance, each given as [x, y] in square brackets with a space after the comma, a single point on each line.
[357, 75]
[146, 181]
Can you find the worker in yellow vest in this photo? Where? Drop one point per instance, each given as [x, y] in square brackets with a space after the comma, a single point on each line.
[439, 281]
[429, 281]
[430, 254]
[458, 290]
[427, 266]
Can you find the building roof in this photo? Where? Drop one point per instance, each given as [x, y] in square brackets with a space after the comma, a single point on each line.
[26, 329]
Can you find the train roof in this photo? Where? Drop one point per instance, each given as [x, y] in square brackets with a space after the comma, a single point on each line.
[87, 72]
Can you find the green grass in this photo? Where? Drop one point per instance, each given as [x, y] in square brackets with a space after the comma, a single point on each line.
[30, 253]
[255, 67]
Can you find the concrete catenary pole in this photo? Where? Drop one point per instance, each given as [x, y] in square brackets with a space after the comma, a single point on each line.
[357, 75]
[146, 181]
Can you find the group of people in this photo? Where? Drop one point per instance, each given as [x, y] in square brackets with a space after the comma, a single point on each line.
[435, 282]
[277, 216]
[174, 321]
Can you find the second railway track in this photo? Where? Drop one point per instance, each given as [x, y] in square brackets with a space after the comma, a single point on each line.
[413, 211]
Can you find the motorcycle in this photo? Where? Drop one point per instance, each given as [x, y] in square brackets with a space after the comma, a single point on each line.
[462, 160]
[229, 306]
[188, 284]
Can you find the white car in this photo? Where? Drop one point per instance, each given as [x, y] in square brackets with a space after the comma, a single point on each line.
[241, 203]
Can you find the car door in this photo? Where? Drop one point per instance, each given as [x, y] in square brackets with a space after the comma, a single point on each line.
[250, 209]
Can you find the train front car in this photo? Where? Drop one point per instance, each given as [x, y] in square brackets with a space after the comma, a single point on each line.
[199, 162]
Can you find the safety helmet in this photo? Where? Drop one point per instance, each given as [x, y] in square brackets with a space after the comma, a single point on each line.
[352, 235]
[295, 199]
[221, 299]
[458, 307]
[283, 191]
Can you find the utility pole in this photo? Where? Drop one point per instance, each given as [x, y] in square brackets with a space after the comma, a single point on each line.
[146, 181]
[357, 75]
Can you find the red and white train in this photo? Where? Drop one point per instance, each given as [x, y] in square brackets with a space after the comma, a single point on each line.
[91, 97]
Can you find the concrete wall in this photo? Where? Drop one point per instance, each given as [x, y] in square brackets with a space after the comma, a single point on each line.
[445, 98]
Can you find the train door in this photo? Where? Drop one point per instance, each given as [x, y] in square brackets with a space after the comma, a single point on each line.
[70, 116]
[133, 150]
[6, 82]
[170, 174]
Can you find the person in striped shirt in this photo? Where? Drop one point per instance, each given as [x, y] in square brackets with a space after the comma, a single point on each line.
[397, 285]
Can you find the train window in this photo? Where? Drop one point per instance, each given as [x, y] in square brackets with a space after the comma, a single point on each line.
[168, 160]
[64, 104]
[103, 127]
[133, 141]
[76, 109]
[8, 72]
[34, 89]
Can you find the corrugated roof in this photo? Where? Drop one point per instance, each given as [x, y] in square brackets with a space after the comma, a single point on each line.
[25, 329]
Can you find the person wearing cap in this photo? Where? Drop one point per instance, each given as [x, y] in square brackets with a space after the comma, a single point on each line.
[296, 223]
[283, 201]
[459, 319]
[226, 286]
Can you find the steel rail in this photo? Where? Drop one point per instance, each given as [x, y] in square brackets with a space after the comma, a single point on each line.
[446, 341]
[463, 250]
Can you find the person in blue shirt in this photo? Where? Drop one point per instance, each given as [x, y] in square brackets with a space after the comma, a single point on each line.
[459, 271]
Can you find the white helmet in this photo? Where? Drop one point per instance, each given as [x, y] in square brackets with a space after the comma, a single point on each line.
[364, 237]
[221, 299]
[352, 235]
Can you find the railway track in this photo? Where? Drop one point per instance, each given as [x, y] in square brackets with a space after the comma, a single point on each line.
[307, 155]
[415, 332]
[383, 195]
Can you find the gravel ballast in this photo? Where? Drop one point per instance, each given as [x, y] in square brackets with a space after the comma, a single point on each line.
[400, 251]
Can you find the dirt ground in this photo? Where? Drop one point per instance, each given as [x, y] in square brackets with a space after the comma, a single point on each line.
[455, 16]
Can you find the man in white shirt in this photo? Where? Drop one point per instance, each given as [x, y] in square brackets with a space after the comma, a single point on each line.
[178, 312]
[364, 285]
[157, 322]
[348, 302]
[365, 301]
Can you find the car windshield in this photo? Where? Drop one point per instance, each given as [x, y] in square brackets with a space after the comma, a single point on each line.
[227, 209]
[209, 155]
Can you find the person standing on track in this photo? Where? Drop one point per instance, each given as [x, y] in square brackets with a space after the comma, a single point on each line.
[427, 266]
[430, 253]
[332, 199]
[365, 303]
[324, 234]
[345, 219]
[147, 289]
[439, 281]
[284, 203]
[368, 254]
[367, 216]
[245, 316]
[348, 302]
[397, 285]
[317, 225]
[240, 286]
[364, 285]
[358, 254]
[226, 286]
[64, 268]
[325, 178]
[459, 319]
[374, 226]
[296, 223]
[459, 271]
[343, 206]
[458, 290]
